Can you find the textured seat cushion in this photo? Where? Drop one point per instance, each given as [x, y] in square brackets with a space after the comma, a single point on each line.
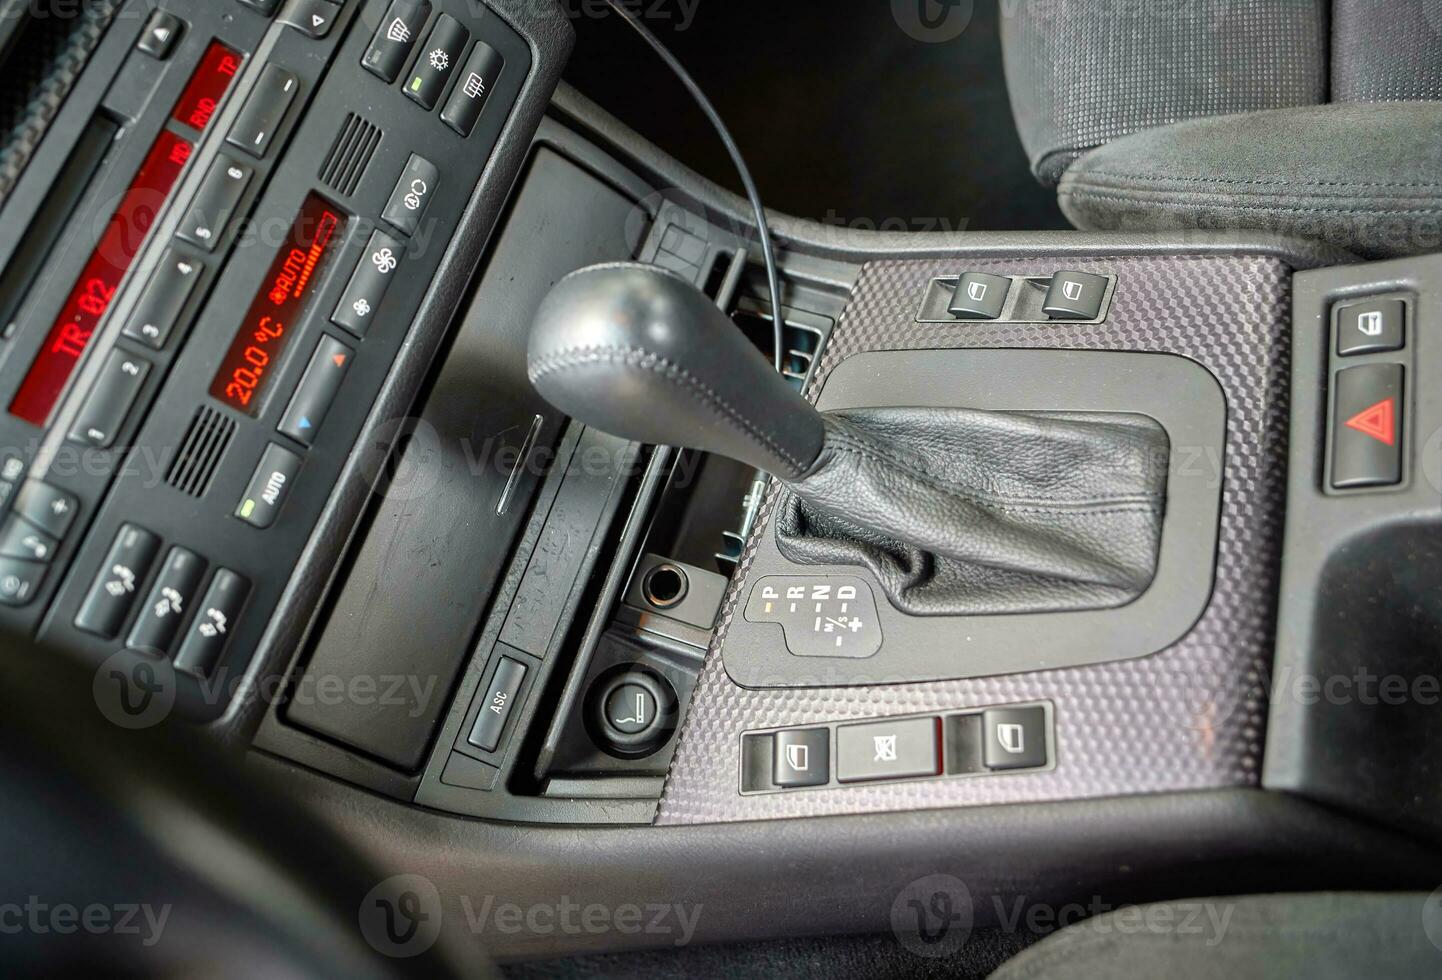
[1081, 73]
[1367, 178]
[1324, 936]
[1386, 50]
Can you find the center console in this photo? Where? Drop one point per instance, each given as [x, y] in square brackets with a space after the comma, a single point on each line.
[271, 460]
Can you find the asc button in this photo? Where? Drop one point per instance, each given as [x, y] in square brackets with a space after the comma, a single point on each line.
[214, 622]
[412, 195]
[269, 487]
[368, 284]
[500, 699]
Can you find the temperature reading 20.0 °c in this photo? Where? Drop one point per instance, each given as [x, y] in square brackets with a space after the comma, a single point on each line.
[278, 307]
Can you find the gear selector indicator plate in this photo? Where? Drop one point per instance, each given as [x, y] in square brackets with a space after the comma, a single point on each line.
[820, 616]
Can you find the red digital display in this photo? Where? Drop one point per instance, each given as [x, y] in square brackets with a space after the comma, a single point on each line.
[281, 301]
[207, 86]
[93, 291]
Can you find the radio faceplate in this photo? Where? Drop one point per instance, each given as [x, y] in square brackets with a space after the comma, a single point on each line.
[187, 511]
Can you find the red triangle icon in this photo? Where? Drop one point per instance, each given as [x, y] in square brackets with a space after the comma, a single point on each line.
[340, 362]
[1379, 422]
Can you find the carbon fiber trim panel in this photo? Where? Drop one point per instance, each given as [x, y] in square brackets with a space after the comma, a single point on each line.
[1190, 717]
[46, 74]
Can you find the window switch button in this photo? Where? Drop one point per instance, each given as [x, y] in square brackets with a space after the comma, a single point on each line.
[979, 296]
[802, 757]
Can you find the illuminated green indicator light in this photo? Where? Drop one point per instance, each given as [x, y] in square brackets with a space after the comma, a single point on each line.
[416, 84]
[247, 508]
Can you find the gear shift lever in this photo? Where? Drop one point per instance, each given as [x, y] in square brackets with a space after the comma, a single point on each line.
[956, 511]
[639, 352]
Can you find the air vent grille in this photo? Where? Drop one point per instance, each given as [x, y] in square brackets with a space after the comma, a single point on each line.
[350, 155]
[204, 444]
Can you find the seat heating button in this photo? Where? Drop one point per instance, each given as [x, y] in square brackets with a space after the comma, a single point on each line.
[1014, 738]
[1074, 296]
[888, 749]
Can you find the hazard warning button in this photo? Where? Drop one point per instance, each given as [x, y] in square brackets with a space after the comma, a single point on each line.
[1367, 432]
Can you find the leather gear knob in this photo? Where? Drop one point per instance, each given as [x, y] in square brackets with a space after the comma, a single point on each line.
[637, 351]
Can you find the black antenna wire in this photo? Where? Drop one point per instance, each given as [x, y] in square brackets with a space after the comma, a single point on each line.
[768, 254]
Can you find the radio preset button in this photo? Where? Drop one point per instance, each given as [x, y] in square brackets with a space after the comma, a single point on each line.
[368, 284]
[261, 116]
[269, 487]
[317, 390]
[109, 402]
[392, 44]
[19, 581]
[313, 18]
[478, 78]
[117, 584]
[412, 195]
[47, 508]
[158, 38]
[169, 602]
[436, 62]
[214, 622]
[215, 203]
[164, 299]
[20, 539]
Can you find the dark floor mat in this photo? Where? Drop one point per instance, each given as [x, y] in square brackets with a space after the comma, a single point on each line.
[843, 112]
